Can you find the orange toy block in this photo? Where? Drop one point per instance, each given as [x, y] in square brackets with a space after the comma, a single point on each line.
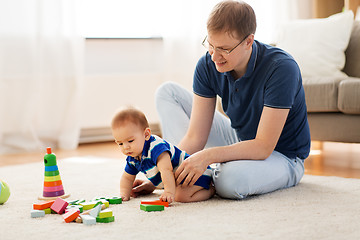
[43, 205]
[155, 202]
[71, 215]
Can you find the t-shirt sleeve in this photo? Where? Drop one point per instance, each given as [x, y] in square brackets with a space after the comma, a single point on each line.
[201, 83]
[131, 169]
[159, 149]
[282, 86]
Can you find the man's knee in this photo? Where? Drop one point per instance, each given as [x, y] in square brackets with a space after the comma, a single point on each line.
[232, 188]
[165, 89]
[229, 183]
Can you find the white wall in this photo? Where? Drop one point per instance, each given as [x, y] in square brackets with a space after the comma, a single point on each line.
[120, 72]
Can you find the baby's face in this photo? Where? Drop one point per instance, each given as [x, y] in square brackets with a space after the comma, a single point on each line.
[130, 138]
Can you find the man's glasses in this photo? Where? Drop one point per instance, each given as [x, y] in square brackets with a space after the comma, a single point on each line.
[210, 47]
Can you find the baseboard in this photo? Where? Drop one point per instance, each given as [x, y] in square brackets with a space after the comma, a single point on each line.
[104, 134]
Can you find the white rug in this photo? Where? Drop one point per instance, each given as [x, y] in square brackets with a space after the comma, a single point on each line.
[318, 208]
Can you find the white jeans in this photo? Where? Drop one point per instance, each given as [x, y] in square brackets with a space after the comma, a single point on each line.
[234, 179]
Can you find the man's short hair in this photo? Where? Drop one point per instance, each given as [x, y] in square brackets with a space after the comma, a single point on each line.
[232, 17]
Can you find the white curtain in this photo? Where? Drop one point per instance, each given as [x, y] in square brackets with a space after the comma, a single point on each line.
[41, 68]
[184, 24]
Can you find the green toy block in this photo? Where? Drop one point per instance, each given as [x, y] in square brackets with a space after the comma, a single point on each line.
[73, 202]
[47, 211]
[98, 203]
[79, 201]
[106, 213]
[151, 208]
[105, 220]
[115, 200]
[100, 198]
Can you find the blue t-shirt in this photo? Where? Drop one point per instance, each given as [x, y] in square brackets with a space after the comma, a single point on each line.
[272, 79]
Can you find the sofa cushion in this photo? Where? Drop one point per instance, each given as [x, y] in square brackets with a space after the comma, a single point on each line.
[352, 65]
[318, 45]
[349, 96]
[321, 93]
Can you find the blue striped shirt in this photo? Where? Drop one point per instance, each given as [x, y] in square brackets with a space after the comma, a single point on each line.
[151, 151]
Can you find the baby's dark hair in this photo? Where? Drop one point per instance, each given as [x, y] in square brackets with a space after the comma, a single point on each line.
[129, 115]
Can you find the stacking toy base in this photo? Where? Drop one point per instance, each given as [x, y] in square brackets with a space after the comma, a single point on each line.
[53, 198]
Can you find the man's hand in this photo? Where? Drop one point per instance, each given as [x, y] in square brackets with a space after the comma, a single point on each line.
[142, 187]
[191, 169]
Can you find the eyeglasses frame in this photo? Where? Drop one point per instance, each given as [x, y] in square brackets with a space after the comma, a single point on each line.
[220, 49]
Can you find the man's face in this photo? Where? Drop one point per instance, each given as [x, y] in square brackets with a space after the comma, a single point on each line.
[236, 60]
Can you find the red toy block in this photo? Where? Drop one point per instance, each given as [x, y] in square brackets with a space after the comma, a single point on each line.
[71, 215]
[155, 202]
[43, 205]
[59, 205]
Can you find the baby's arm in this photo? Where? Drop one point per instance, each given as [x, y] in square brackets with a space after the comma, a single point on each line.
[167, 176]
[126, 184]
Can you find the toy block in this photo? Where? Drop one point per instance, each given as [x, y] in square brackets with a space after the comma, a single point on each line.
[43, 205]
[151, 208]
[71, 215]
[101, 198]
[105, 220]
[105, 213]
[87, 205]
[115, 200]
[79, 207]
[155, 202]
[79, 201]
[88, 220]
[107, 204]
[47, 211]
[37, 213]
[78, 219]
[92, 204]
[99, 203]
[59, 205]
[87, 212]
[95, 211]
[72, 202]
[71, 209]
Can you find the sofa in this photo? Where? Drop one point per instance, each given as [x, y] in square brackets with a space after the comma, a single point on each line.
[333, 103]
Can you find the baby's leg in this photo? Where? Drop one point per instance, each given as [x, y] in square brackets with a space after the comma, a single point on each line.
[193, 193]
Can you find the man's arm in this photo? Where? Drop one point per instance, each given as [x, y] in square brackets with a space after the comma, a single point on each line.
[269, 130]
[202, 115]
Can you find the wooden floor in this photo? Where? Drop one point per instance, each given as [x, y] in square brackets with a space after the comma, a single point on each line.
[326, 159]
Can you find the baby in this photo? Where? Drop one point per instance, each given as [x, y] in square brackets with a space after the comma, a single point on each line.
[156, 158]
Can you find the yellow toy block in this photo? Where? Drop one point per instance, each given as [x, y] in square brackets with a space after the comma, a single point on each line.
[106, 213]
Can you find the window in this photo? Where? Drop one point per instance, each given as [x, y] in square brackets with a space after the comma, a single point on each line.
[120, 18]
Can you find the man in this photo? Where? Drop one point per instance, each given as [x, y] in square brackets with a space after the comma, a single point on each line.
[262, 146]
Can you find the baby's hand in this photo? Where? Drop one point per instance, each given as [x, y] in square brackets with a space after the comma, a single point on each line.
[125, 198]
[167, 197]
